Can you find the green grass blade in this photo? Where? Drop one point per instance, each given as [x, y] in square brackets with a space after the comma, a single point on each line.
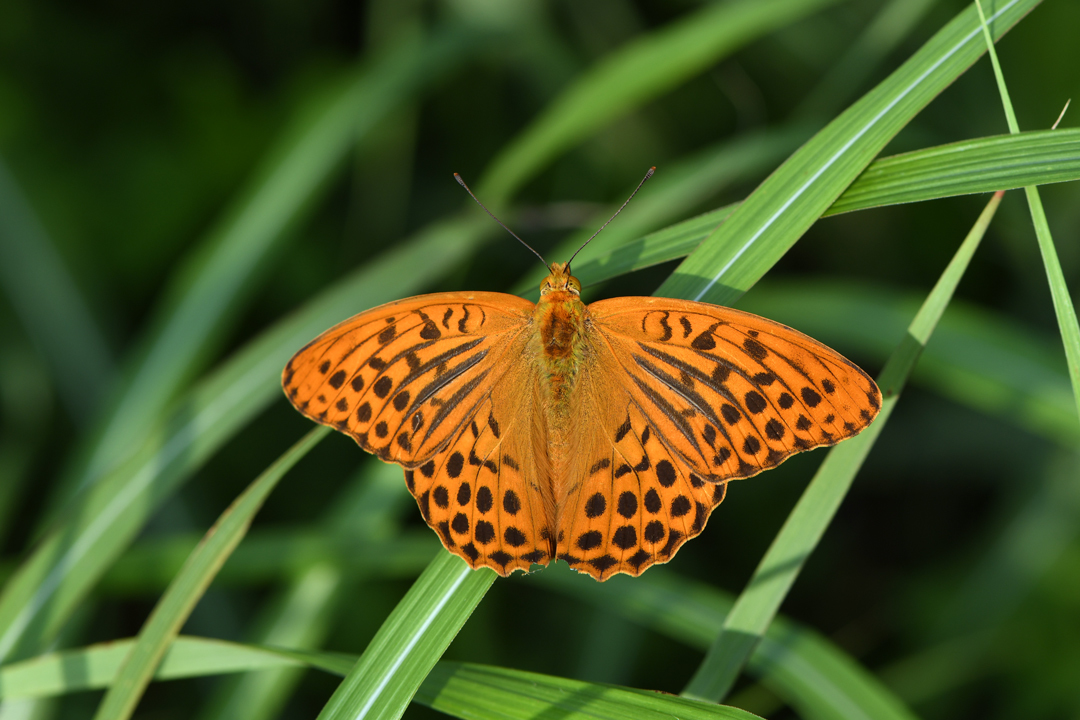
[630, 77]
[410, 641]
[462, 690]
[52, 310]
[481, 692]
[218, 276]
[1059, 291]
[41, 595]
[981, 165]
[172, 611]
[95, 667]
[803, 188]
[973, 166]
[759, 602]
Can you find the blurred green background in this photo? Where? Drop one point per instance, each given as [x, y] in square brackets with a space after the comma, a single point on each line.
[177, 178]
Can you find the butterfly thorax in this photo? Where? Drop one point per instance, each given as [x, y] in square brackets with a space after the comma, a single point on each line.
[560, 321]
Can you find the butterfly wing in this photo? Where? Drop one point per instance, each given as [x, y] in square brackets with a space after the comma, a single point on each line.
[685, 396]
[435, 383]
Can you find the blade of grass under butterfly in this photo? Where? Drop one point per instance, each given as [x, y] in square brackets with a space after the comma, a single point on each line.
[218, 274]
[631, 76]
[49, 305]
[39, 598]
[802, 668]
[459, 689]
[410, 641]
[172, 611]
[973, 166]
[760, 600]
[1059, 291]
[482, 692]
[756, 235]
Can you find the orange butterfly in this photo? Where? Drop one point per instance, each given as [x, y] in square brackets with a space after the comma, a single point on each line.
[601, 435]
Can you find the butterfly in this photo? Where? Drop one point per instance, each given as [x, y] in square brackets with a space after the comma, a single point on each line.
[602, 435]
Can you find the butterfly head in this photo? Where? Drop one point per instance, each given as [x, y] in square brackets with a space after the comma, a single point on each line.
[560, 279]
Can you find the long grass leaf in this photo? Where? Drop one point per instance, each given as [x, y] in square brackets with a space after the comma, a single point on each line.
[172, 611]
[481, 692]
[973, 166]
[760, 600]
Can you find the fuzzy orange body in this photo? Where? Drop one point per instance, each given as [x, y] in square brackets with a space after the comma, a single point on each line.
[602, 435]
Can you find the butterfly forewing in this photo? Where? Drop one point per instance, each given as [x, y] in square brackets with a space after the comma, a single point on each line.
[730, 392]
[402, 378]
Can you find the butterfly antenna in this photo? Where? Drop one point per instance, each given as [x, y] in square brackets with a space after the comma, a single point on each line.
[647, 176]
[462, 184]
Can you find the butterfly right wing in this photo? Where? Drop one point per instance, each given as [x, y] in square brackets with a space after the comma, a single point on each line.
[436, 384]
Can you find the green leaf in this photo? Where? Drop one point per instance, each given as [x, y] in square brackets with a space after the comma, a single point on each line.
[479, 692]
[172, 611]
[973, 166]
[802, 189]
[1002, 162]
[96, 666]
[410, 641]
[776, 573]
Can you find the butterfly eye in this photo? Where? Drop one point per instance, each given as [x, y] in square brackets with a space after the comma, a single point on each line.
[574, 285]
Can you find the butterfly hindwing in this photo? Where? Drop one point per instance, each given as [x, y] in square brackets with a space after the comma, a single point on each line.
[637, 501]
[402, 378]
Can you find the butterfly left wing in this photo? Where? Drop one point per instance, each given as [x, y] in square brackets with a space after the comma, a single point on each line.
[405, 377]
[437, 384]
[682, 397]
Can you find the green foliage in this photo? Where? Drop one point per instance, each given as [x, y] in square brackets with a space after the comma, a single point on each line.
[184, 204]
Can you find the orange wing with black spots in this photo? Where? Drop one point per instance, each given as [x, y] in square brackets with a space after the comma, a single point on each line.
[677, 398]
[429, 383]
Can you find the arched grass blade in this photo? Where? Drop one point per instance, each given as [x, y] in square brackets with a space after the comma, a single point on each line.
[989, 164]
[760, 600]
[482, 692]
